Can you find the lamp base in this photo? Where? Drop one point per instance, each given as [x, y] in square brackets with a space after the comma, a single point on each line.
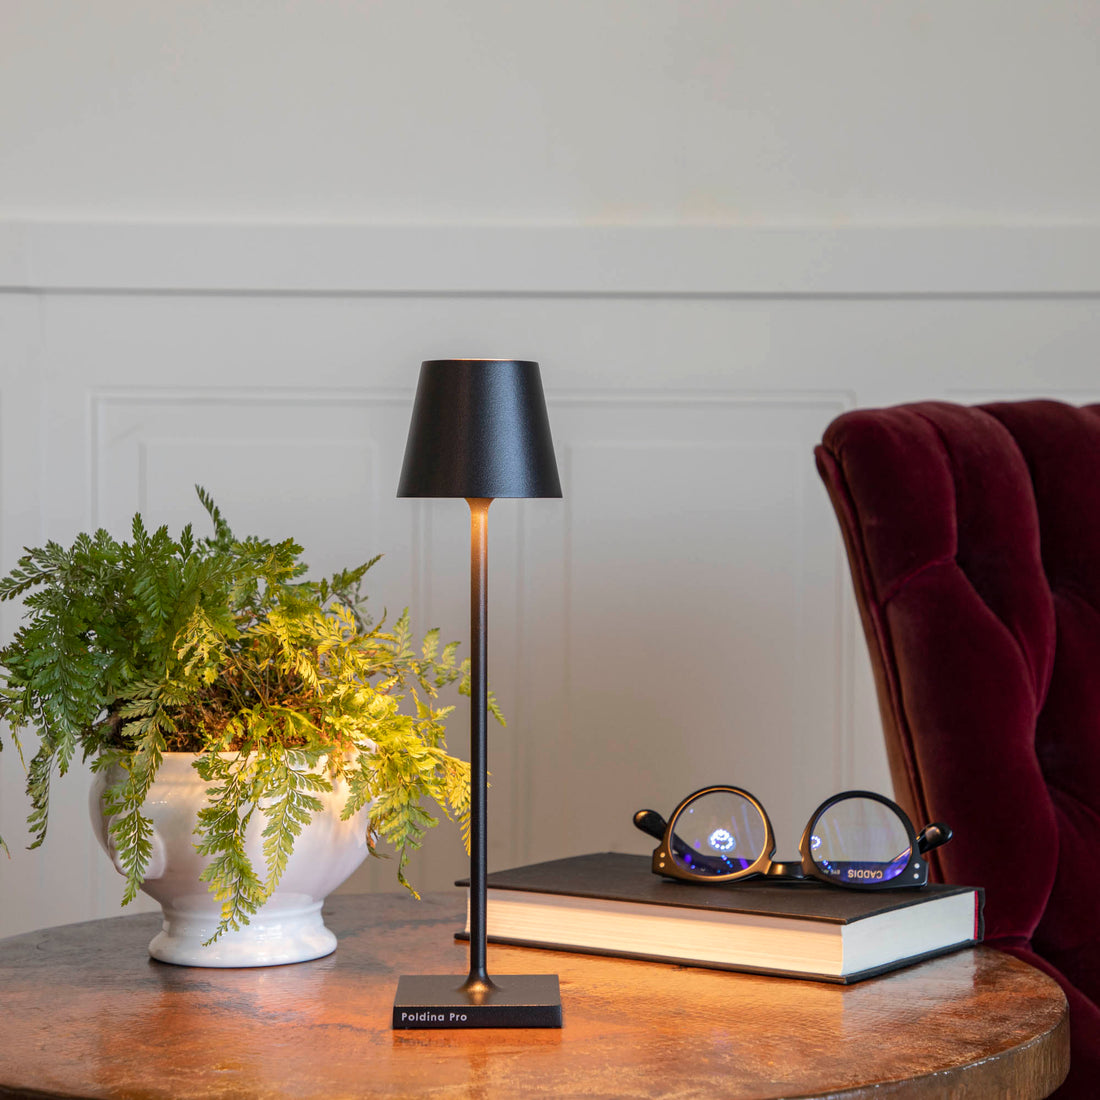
[439, 1001]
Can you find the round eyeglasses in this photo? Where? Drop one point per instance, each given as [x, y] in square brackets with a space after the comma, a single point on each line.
[856, 839]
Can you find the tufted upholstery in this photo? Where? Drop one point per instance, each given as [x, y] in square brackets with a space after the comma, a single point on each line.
[973, 535]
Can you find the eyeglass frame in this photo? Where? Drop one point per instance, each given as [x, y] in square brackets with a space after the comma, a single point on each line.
[914, 876]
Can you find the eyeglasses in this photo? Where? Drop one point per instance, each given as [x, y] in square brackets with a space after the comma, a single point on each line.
[857, 839]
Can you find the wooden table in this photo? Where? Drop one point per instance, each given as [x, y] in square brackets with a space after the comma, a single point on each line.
[84, 1012]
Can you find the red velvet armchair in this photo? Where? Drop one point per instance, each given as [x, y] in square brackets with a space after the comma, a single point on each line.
[973, 535]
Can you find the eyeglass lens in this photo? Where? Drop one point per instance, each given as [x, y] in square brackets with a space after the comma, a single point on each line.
[718, 833]
[859, 840]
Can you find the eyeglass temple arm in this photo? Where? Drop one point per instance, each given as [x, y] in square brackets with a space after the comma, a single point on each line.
[933, 836]
[651, 823]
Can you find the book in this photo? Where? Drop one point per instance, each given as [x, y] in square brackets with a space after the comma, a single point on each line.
[610, 903]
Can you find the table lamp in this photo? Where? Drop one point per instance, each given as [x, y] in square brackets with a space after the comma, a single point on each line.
[479, 430]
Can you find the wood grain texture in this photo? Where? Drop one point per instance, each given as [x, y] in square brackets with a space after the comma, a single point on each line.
[86, 1013]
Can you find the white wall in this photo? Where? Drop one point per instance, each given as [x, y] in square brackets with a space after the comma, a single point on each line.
[230, 232]
[625, 111]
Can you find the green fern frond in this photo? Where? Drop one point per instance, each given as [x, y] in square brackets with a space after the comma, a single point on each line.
[223, 536]
[222, 825]
[288, 807]
[130, 829]
[39, 775]
[36, 567]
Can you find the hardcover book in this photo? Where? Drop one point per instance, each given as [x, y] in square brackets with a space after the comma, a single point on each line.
[610, 903]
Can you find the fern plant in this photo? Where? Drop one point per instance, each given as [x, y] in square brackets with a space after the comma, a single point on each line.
[219, 646]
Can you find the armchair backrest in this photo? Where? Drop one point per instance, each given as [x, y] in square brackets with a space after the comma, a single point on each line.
[973, 535]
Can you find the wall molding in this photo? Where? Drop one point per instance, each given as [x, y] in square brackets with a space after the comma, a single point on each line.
[354, 259]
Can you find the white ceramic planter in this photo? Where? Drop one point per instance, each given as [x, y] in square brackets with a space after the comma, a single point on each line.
[288, 927]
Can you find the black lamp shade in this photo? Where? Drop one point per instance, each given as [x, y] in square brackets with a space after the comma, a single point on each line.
[479, 429]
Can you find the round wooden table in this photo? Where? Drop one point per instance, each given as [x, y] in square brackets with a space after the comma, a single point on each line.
[86, 1013]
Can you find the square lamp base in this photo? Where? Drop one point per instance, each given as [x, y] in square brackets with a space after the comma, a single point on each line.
[438, 1001]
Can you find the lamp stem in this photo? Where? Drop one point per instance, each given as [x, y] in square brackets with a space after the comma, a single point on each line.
[479, 980]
